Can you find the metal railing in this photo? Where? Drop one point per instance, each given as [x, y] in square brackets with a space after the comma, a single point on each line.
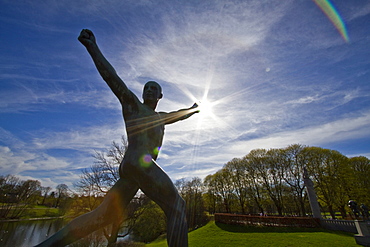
[339, 225]
[235, 219]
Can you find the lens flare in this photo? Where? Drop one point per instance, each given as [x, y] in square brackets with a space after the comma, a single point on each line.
[328, 8]
[145, 160]
[156, 150]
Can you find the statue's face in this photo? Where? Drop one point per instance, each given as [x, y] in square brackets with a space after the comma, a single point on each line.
[152, 92]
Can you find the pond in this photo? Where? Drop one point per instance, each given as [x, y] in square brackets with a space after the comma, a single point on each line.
[32, 232]
[27, 233]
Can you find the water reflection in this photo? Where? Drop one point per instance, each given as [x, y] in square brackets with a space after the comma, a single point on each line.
[27, 233]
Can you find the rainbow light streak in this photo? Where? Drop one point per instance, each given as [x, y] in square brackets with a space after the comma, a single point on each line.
[328, 8]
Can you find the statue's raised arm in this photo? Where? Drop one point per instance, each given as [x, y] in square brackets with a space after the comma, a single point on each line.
[173, 117]
[105, 69]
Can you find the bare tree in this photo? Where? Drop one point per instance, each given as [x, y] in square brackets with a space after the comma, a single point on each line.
[16, 195]
[103, 174]
[45, 191]
[8, 195]
[62, 192]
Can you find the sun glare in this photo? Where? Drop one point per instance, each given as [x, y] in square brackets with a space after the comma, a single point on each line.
[208, 118]
[205, 107]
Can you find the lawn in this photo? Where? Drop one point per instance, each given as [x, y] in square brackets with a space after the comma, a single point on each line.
[40, 212]
[215, 234]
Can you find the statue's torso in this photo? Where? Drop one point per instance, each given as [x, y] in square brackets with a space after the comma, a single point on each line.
[145, 130]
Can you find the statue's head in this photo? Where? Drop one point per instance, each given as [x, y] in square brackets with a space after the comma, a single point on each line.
[152, 92]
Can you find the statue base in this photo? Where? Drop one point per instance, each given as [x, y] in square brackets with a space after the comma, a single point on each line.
[363, 236]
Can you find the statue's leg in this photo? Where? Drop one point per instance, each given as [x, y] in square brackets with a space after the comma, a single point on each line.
[109, 211]
[156, 184]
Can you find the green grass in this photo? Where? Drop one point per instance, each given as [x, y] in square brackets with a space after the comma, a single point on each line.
[40, 212]
[215, 234]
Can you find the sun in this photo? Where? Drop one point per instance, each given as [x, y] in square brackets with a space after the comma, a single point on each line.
[207, 111]
[205, 107]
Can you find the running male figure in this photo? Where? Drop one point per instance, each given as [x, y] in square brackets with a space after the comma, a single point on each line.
[138, 169]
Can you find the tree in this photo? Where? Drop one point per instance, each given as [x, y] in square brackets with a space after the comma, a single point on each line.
[192, 192]
[212, 200]
[45, 191]
[293, 166]
[17, 195]
[224, 188]
[273, 178]
[361, 182]
[150, 222]
[239, 180]
[63, 199]
[254, 164]
[8, 196]
[28, 191]
[103, 174]
[332, 176]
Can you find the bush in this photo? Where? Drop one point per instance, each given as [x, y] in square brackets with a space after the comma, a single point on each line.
[150, 224]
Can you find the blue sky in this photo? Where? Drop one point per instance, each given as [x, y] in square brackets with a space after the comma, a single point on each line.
[277, 72]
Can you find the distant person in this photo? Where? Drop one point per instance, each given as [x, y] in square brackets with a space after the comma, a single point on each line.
[138, 169]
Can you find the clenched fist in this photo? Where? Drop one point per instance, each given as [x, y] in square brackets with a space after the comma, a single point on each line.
[87, 37]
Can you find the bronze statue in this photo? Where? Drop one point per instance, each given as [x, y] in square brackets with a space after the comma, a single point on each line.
[353, 206]
[138, 169]
[364, 211]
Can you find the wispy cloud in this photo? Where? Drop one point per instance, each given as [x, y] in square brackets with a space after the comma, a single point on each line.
[319, 135]
[29, 98]
[204, 45]
[82, 138]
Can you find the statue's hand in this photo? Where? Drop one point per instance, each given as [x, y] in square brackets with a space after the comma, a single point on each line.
[195, 106]
[87, 37]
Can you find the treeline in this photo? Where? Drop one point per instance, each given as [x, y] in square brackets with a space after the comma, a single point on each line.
[17, 196]
[271, 182]
[262, 182]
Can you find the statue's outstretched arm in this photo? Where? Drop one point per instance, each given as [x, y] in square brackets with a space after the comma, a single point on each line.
[173, 117]
[105, 69]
